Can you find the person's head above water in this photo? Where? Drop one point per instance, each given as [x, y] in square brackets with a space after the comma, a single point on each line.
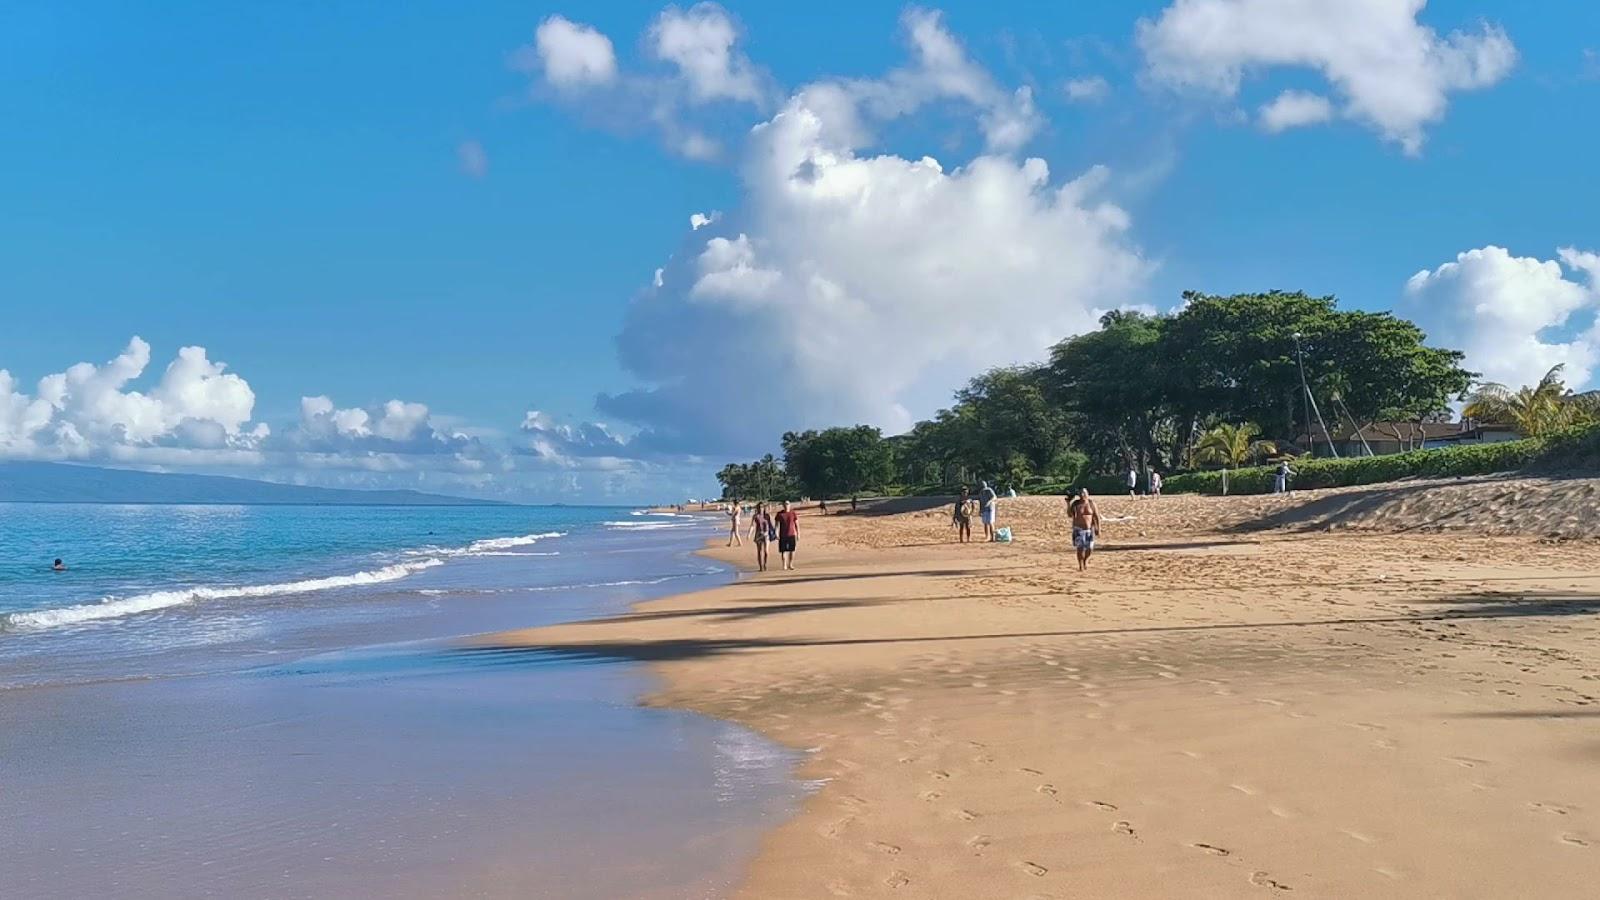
[58, 564]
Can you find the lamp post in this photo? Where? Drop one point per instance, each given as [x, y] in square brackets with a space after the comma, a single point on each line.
[1311, 400]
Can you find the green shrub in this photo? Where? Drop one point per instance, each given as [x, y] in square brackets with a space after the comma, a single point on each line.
[1565, 449]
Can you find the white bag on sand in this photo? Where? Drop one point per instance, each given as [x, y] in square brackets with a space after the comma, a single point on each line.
[1003, 534]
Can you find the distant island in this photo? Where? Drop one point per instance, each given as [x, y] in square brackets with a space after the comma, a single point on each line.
[41, 482]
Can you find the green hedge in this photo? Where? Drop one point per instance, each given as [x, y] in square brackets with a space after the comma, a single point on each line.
[1573, 450]
[1562, 450]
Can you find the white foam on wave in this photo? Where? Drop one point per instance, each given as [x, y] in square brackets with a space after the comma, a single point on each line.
[646, 526]
[488, 545]
[116, 607]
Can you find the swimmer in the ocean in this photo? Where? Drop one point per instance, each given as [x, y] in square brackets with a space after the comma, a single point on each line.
[59, 566]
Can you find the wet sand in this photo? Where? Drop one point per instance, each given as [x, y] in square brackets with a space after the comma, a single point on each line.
[1215, 711]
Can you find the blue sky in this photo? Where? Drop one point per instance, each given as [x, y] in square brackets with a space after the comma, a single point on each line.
[284, 186]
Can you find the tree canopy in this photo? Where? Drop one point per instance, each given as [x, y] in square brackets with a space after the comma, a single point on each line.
[1143, 390]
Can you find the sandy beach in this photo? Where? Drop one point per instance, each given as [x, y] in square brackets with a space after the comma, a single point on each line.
[1369, 692]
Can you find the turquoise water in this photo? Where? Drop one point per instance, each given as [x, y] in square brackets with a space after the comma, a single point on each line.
[131, 560]
[254, 701]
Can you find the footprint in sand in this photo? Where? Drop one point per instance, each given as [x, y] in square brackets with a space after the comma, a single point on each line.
[1124, 828]
[966, 815]
[1212, 849]
[1049, 790]
[885, 847]
[979, 843]
[1030, 771]
[930, 796]
[1554, 809]
[1102, 805]
[1034, 869]
[940, 774]
[834, 829]
[897, 879]
[1573, 840]
[1467, 762]
[1262, 879]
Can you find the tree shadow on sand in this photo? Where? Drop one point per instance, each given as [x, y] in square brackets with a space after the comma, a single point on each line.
[1467, 607]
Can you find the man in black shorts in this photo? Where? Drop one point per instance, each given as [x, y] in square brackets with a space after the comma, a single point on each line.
[788, 534]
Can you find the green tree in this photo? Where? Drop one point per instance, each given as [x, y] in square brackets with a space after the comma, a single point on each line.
[839, 461]
[1534, 410]
[1015, 431]
[1111, 387]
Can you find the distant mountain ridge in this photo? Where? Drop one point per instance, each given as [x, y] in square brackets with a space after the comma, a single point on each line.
[42, 482]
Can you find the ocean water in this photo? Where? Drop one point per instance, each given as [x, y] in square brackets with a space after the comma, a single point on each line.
[252, 701]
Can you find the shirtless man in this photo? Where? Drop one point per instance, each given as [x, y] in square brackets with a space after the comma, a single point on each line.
[735, 512]
[1085, 526]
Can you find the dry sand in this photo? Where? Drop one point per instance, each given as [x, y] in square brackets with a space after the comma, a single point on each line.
[1215, 711]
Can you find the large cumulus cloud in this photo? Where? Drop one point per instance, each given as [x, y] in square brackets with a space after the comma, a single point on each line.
[1514, 316]
[861, 287]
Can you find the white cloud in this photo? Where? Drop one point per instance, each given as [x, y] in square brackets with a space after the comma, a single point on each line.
[1092, 89]
[473, 159]
[940, 70]
[859, 288]
[196, 417]
[700, 43]
[569, 54]
[553, 441]
[1500, 309]
[87, 409]
[1391, 72]
[700, 74]
[1293, 109]
[698, 221]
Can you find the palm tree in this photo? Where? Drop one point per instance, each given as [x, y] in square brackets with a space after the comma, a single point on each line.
[1533, 410]
[1231, 446]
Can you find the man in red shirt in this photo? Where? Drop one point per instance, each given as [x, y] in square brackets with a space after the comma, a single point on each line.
[788, 534]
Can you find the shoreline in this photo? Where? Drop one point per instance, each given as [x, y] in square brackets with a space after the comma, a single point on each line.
[1241, 712]
[399, 764]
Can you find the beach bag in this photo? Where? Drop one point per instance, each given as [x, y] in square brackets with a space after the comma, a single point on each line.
[1003, 534]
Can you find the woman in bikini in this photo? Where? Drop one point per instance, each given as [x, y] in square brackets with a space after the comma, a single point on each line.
[734, 514]
[760, 531]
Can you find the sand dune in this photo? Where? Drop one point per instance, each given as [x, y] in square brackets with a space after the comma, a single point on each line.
[1229, 705]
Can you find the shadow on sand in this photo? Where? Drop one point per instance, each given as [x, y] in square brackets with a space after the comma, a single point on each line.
[1467, 607]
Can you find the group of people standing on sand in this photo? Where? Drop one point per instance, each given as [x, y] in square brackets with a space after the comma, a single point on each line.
[1081, 510]
[986, 510]
[782, 528]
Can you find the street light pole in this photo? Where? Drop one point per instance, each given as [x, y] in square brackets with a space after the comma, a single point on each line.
[1311, 400]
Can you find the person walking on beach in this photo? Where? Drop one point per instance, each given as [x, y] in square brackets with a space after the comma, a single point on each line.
[1280, 481]
[1133, 480]
[986, 509]
[1155, 483]
[788, 522]
[962, 517]
[1085, 526]
[734, 514]
[760, 530]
